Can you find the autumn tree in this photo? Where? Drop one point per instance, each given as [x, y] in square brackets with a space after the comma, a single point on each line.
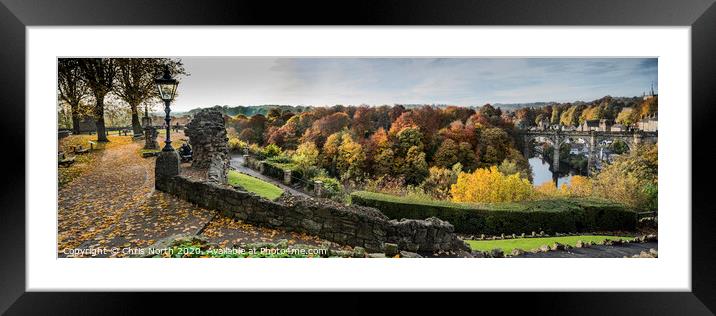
[99, 75]
[135, 81]
[555, 117]
[322, 128]
[329, 156]
[364, 122]
[71, 88]
[490, 186]
[379, 155]
[631, 179]
[627, 117]
[306, 157]
[351, 159]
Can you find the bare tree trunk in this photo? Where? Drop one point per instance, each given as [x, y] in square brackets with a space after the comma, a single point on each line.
[99, 117]
[74, 109]
[136, 126]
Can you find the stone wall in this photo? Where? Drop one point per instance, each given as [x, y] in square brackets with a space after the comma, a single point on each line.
[351, 225]
[207, 138]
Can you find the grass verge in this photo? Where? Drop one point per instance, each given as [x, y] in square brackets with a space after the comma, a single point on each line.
[533, 243]
[251, 184]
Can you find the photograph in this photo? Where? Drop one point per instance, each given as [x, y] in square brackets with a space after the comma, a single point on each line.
[357, 157]
[211, 151]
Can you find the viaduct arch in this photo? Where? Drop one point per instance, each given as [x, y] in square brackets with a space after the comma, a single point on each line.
[558, 137]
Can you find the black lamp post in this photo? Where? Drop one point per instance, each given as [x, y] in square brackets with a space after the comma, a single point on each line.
[167, 88]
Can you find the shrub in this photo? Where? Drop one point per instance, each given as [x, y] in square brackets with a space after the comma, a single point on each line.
[236, 144]
[553, 215]
[280, 159]
[387, 184]
[271, 150]
[438, 182]
[331, 186]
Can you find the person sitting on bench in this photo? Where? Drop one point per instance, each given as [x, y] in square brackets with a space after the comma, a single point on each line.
[185, 152]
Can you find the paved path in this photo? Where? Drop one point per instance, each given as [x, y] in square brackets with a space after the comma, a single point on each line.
[114, 204]
[597, 251]
[237, 163]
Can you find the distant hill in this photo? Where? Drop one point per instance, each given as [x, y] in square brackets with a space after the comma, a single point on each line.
[516, 106]
[509, 107]
[251, 110]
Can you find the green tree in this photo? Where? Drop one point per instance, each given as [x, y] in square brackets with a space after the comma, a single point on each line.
[447, 154]
[383, 161]
[466, 156]
[409, 137]
[415, 168]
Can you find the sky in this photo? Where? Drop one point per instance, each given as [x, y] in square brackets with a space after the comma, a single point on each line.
[375, 81]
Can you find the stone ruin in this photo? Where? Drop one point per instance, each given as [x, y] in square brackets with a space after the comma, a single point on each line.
[150, 137]
[209, 143]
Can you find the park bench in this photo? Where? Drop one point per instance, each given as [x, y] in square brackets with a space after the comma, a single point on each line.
[80, 150]
[63, 161]
[148, 154]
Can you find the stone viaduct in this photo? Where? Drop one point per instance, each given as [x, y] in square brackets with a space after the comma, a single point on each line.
[592, 139]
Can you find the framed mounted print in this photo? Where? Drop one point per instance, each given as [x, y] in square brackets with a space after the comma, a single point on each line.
[456, 147]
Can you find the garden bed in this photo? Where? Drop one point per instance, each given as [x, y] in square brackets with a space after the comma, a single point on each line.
[553, 215]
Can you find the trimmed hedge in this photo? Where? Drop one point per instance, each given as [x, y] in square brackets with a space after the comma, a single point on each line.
[551, 216]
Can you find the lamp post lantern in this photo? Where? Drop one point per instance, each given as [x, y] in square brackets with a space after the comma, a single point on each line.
[167, 87]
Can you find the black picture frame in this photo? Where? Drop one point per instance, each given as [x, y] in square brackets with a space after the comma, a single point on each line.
[15, 15]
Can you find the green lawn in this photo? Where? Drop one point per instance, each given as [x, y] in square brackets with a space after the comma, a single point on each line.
[251, 184]
[533, 243]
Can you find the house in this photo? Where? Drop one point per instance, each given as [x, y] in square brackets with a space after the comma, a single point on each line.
[589, 125]
[543, 125]
[618, 128]
[648, 124]
[605, 125]
[578, 149]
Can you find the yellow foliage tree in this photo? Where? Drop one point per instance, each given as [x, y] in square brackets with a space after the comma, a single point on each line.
[549, 189]
[489, 186]
[580, 186]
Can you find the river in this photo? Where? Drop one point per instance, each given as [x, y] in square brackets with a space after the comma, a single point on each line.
[542, 174]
